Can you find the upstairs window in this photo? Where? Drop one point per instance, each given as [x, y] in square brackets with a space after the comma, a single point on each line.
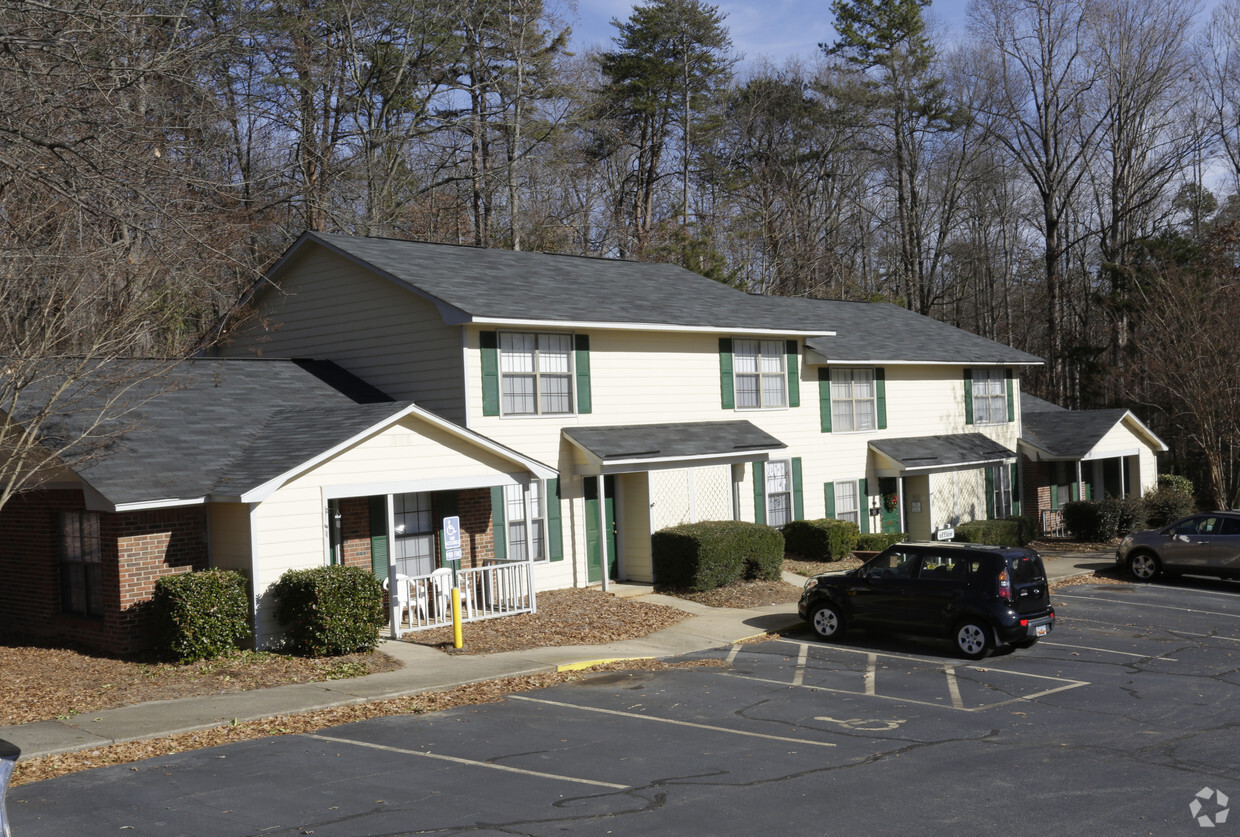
[536, 373]
[854, 405]
[989, 396]
[759, 367]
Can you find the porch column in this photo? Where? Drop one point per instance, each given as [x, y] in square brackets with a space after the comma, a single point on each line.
[602, 532]
[529, 546]
[1123, 479]
[1080, 482]
[900, 503]
[393, 593]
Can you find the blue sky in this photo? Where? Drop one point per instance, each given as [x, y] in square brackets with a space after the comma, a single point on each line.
[777, 29]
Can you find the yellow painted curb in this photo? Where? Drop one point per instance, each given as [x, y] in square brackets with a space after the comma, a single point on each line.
[592, 663]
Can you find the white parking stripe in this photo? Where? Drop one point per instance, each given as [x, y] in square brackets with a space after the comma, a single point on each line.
[469, 762]
[1131, 603]
[799, 677]
[1109, 651]
[690, 724]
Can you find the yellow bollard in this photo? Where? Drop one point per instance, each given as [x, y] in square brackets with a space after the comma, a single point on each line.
[457, 640]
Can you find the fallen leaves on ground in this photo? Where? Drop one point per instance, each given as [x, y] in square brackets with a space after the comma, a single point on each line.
[743, 594]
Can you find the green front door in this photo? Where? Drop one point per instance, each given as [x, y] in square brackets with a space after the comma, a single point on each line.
[887, 487]
[594, 558]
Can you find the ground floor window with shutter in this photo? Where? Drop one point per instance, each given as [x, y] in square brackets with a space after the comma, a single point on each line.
[414, 528]
[778, 492]
[1000, 480]
[514, 511]
[81, 564]
[847, 501]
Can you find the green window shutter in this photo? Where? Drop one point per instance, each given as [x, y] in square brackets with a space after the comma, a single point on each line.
[1074, 491]
[759, 492]
[824, 398]
[990, 493]
[798, 498]
[1011, 396]
[1015, 492]
[378, 537]
[499, 525]
[1054, 496]
[828, 493]
[489, 343]
[794, 375]
[726, 387]
[555, 528]
[863, 507]
[581, 360]
[446, 504]
[880, 397]
[968, 396]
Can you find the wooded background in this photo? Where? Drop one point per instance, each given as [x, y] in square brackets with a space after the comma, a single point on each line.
[1062, 179]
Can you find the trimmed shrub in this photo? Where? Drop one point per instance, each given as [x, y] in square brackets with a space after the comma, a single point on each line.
[1102, 520]
[703, 556]
[199, 616]
[1013, 531]
[1123, 514]
[878, 541]
[821, 540]
[1083, 520]
[1171, 500]
[329, 611]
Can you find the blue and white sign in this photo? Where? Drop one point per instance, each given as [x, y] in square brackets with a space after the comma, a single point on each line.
[452, 532]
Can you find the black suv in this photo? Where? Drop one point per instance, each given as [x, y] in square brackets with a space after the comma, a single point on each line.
[980, 596]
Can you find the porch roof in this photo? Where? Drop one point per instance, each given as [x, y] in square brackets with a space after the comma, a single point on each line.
[642, 447]
[1073, 434]
[928, 453]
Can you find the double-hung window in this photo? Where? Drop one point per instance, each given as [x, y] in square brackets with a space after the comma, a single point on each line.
[80, 564]
[514, 512]
[778, 492]
[536, 373]
[989, 396]
[853, 400]
[759, 367]
[1001, 480]
[847, 501]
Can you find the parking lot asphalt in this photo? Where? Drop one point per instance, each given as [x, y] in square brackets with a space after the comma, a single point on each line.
[1121, 722]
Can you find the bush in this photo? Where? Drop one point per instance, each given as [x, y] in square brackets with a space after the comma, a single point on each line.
[1171, 500]
[703, 556]
[821, 540]
[1014, 531]
[878, 541]
[1124, 514]
[328, 611]
[201, 615]
[1102, 520]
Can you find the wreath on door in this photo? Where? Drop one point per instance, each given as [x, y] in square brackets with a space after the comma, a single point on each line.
[890, 501]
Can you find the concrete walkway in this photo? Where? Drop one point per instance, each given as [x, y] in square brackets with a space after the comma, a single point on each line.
[426, 669]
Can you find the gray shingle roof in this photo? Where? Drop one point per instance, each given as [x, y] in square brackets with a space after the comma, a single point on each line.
[924, 452]
[1067, 433]
[687, 440]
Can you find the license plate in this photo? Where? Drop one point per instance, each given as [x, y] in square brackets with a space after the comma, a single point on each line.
[1041, 630]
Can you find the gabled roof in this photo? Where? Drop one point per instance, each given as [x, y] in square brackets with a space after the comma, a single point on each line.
[1073, 434]
[642, 446]
[478, 285]
[927, 453]
[233, 429]
[881, 333]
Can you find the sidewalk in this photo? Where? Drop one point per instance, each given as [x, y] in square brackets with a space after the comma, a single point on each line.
[426, 669]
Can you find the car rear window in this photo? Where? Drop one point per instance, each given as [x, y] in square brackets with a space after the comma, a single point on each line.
[1026, 568]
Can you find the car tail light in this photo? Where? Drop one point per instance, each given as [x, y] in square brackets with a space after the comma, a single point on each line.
[1005, 586]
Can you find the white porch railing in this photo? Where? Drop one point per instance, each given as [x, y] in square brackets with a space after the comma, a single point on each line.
[425, 601]
[1052, 524]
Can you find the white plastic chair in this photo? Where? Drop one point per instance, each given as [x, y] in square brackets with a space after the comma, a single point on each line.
[442, 581]
[409, 599]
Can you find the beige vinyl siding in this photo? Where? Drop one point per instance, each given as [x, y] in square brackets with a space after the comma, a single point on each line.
[633, 521]
[289, 525]
[329, 309]
[228, 526]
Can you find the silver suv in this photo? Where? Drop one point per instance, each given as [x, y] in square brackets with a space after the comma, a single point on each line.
[1203, 544]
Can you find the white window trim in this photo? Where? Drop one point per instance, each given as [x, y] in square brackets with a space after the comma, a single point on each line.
[760, 375]
[536, 516]
[1001, 477]
[768, 495]
[987, 374]
[538, 376]
[860, 505]
[873, 399]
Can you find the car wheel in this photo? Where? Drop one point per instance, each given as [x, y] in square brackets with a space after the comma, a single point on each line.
[973, 639]
[827, 621]
[1143, 566]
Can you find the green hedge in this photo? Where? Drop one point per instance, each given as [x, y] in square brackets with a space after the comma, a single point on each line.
[821, 540]
[1014, 531]
[1172, 499]
[328, 611]
[878, 541]
[200, 615]
[703, 556]
[1102, 520]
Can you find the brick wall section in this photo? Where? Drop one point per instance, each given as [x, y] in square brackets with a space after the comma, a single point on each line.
[137, 549]
[477, 538]
[355, 531]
